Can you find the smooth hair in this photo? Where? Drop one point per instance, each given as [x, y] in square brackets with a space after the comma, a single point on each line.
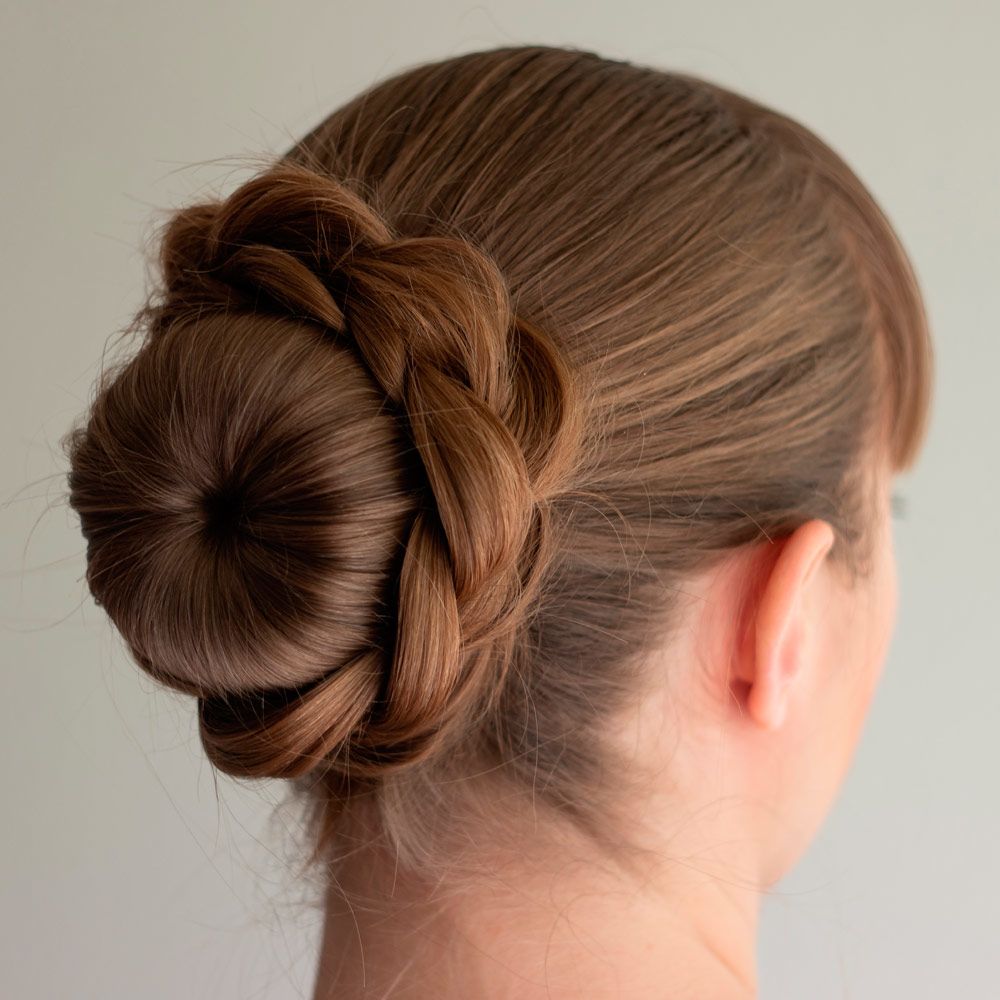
[430, 419]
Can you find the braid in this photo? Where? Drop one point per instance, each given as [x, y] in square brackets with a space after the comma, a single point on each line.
[488, 408]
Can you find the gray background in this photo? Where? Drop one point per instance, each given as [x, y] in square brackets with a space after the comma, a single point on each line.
[129, 869]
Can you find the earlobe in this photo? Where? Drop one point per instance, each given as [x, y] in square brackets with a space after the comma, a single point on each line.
[774, 655]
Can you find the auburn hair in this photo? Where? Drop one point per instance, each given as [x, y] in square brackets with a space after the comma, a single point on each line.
[428, 421]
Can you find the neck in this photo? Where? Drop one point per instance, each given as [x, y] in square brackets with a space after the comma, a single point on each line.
[557, 930]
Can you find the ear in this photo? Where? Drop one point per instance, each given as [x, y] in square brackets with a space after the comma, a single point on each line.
[772, 653]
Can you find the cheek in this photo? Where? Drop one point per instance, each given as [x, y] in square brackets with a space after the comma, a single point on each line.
[878, 632]
[889, 608]
[893, 598]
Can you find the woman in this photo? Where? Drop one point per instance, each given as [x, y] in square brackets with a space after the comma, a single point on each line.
[509, 467]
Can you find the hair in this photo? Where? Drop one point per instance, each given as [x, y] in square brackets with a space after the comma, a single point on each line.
[430, 419]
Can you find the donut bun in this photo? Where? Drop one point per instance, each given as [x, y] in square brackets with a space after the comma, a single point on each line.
[317, 495]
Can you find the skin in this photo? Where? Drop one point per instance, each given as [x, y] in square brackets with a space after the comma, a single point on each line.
[747, 738]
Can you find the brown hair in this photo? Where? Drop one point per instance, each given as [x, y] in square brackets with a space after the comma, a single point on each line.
[432, 417]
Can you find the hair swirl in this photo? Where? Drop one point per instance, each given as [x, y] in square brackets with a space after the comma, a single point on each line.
[478, 395]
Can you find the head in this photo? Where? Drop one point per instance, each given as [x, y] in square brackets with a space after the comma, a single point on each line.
[521, 437]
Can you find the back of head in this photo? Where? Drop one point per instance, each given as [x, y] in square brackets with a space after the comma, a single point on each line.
[431, 417]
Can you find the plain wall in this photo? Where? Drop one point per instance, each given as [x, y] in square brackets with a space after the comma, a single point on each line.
[128, 868]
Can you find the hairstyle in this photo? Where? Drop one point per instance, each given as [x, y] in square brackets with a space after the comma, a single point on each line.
[430, 419]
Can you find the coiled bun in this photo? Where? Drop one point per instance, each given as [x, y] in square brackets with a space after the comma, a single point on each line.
[317, 496]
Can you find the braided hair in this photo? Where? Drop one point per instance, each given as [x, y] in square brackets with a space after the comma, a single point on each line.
[329, 518]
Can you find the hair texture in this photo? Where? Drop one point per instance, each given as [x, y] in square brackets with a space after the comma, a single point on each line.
[431, 418]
